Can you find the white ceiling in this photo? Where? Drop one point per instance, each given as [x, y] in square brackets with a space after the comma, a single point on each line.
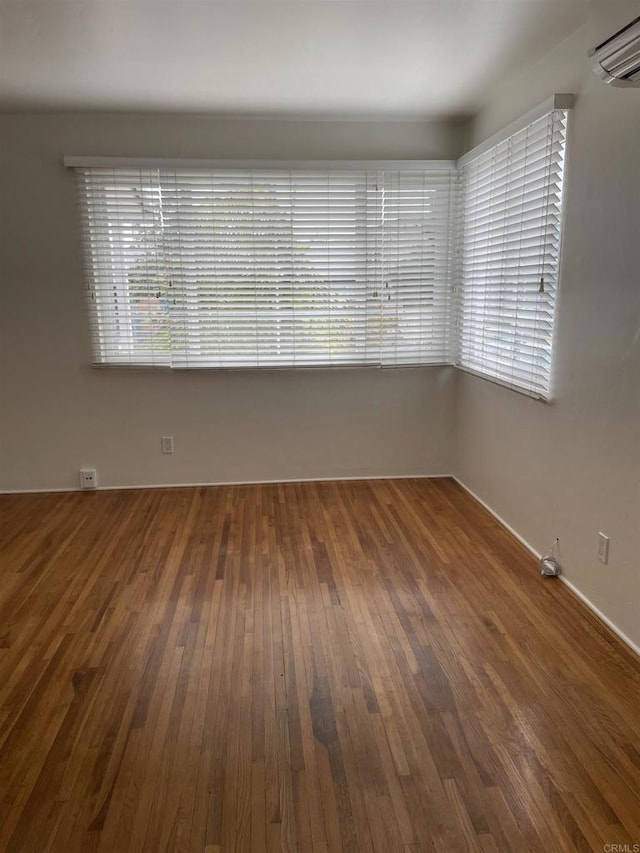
[397, 58]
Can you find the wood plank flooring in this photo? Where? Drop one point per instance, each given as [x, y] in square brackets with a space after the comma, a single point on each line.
[359, 666]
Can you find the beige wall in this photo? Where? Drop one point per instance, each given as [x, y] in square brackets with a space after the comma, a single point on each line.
[572, 468]
[57, 413]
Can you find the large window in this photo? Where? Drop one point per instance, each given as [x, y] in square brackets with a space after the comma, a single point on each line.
[266, 268]
[512, 211]
[301, 267]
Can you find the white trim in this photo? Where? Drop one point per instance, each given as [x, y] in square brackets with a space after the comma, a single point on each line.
[277, 368]
[42, 491]
[504, 384]
[597, 612]
[79, 162]
[499, 518]
[574, 589]
[555, 102]
[230, 483]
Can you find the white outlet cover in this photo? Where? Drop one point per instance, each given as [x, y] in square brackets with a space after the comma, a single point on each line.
[166, 444]
[88, 478]
[603, 548]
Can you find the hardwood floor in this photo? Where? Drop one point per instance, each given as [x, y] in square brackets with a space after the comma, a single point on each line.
[318, 667]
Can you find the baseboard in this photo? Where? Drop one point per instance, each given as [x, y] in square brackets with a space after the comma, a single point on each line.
[597, 612]
[574, 589]
[499, 518]
[38, 491]
[118, 488]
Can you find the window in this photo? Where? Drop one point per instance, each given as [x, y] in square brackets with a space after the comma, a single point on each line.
[512, 211]
[356, 264]
[269, 268]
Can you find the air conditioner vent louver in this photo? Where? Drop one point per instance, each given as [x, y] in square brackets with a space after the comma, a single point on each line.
[617, 60]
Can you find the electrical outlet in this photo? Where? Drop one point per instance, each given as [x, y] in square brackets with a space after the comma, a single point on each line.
[88, 478]
[603, 548]
[166, 444]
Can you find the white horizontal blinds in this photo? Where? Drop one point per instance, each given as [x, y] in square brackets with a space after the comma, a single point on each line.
[268, 268]
[512, 197]
[271, 268]
[129, 286]
[417, 266]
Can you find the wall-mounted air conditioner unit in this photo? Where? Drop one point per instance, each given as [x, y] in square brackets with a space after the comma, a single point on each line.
[617, 60]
